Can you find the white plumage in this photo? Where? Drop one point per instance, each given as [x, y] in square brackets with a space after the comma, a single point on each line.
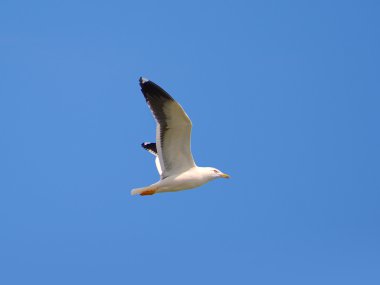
[174, 160]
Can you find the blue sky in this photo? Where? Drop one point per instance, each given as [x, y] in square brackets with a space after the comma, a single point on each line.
[283, 95]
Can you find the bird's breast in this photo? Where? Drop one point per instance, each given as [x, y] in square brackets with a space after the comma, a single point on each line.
[186, 180]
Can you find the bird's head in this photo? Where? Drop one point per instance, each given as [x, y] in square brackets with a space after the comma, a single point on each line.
[216, 173]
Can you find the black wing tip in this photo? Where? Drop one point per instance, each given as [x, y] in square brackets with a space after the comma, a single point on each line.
[151, 147]
[151, 89]
[143, 80]
[145, 145]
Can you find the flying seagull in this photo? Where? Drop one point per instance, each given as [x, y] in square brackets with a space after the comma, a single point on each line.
[174, 160]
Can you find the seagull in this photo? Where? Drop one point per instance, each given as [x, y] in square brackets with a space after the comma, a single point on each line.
[174, 160]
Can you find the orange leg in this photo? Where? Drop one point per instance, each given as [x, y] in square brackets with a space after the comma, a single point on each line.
[148, 192]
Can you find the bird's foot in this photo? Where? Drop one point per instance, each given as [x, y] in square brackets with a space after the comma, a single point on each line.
[148, 192]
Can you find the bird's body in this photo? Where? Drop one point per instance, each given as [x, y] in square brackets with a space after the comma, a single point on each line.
[192, 178]
[174, 160]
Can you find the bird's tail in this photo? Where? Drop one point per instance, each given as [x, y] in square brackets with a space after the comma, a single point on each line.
[150, 190]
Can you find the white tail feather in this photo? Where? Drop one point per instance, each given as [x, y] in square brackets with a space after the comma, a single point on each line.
[138, 191]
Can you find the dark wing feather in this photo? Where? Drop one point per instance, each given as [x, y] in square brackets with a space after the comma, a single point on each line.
[151, 147]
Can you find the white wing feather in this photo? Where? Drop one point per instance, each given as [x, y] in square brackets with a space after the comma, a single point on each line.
[173, 131]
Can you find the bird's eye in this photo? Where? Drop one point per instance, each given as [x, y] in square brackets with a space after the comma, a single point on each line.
[216, 171]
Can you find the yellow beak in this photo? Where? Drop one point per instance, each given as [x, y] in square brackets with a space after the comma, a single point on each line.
[225, 175]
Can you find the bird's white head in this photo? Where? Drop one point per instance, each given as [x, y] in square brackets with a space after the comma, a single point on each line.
[214, 173]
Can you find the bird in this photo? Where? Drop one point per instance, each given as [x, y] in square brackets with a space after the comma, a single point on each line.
[173, 157]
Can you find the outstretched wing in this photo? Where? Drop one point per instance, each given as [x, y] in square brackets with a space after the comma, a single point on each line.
[173, 132]
[151, 147]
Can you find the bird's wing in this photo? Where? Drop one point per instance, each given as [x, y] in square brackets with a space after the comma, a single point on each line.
[173, 130]
[151, 147]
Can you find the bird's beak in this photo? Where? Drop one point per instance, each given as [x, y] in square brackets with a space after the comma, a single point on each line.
[224, 175]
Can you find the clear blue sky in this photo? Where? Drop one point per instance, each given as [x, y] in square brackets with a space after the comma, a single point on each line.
[283, 95]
